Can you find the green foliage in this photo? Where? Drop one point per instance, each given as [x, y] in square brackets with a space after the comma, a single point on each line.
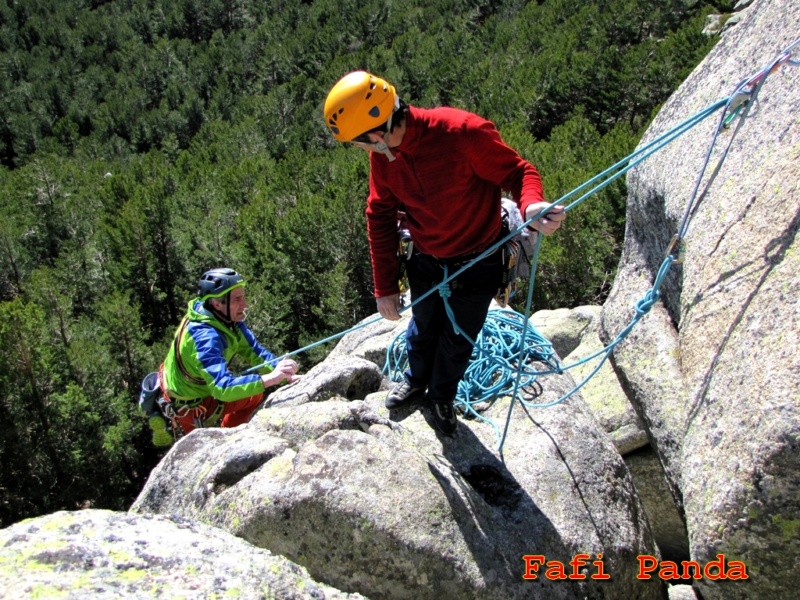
[579, 268]
[144, 141]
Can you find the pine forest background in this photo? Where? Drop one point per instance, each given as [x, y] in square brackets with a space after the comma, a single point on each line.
[145, 141]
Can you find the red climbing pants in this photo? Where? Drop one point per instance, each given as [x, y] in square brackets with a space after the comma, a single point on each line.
[233, 413]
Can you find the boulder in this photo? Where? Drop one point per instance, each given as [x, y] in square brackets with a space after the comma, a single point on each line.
[370, 339]
[376, 502]
[713, 24]
[683, 592]
[345, 376]
[714, 369]
[574, 335]
[564, 327]
[104, 554]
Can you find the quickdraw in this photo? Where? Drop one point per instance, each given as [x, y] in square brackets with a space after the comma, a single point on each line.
[508, 284]
[404, 251]
[166, 407]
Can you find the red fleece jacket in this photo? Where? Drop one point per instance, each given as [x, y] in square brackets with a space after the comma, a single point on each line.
[447, 176]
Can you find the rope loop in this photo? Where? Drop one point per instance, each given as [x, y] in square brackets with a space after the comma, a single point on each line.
[643, 306]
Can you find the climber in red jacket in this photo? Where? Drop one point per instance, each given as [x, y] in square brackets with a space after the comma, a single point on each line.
[445, 169]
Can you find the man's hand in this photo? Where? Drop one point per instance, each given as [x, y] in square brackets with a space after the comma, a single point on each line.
[284, 371]
[548, 223]
[389, 307]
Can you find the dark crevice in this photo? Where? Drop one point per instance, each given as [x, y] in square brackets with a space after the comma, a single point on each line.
[498, 489]
[236, 470]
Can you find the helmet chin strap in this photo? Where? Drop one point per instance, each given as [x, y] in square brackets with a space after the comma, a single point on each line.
[381, 145]
[228, 307]
[226, 316]
[384, 149]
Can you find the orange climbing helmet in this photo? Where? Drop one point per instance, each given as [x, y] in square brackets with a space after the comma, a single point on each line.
[359, 102]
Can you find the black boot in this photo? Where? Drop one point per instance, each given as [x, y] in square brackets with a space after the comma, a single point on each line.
[444, 417]
[401, 394]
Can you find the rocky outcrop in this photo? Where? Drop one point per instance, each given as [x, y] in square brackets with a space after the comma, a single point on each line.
[574, 335]
[378, 503]
[716, 23]
[340, 376]
[103, 554]
[714, 370]
[575, 338]
[370, 342]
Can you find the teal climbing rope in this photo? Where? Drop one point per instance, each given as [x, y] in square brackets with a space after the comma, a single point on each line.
[500, 346]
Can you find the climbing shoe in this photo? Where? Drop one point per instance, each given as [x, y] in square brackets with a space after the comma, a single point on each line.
[444, 417]
[161, 435]
[401, 394]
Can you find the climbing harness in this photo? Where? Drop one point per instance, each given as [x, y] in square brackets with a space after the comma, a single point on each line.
[506, 350]
[513, 254]
[174, 409]
[155, 400]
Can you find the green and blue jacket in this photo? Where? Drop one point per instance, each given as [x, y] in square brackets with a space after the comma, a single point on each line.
[197, 363]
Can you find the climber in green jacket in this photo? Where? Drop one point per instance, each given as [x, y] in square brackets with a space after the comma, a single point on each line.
[195, 378]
